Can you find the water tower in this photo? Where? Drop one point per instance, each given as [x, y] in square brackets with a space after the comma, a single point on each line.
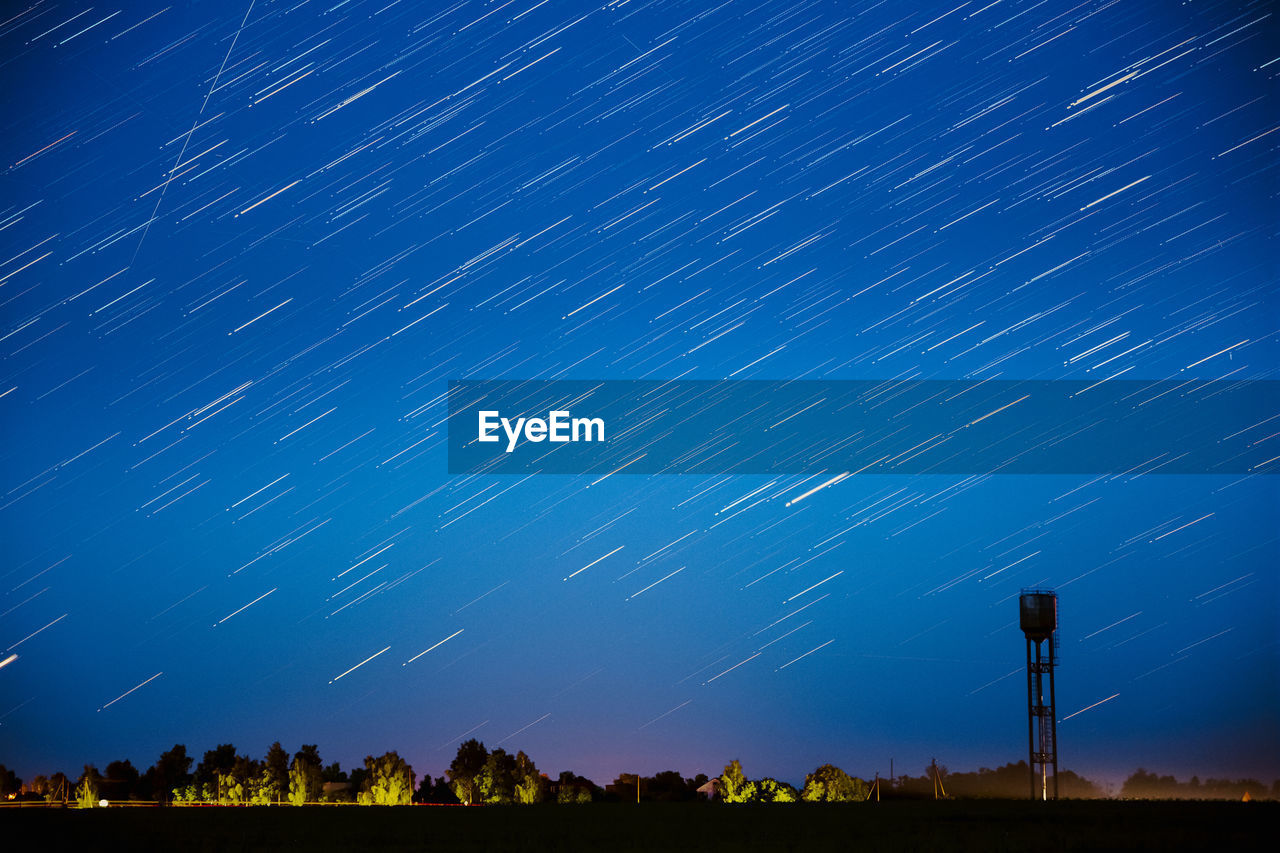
[1038, 610]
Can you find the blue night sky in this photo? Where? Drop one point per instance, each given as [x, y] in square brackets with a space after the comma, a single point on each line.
[246, 247]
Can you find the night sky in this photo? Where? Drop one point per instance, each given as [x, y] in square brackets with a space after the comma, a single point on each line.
[246, 246]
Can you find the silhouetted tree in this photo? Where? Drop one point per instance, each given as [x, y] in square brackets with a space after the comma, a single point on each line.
[571, 788]
[1144, 785]
[39, 785]
[171, 771]
[121, 781]
[1072, 785]
[627, 788]
[357, 778]
[273, 781]
[668, 787]
[10, 784]
[437, 792]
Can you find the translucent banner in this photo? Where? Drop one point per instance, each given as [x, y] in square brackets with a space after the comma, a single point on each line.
[864, 427]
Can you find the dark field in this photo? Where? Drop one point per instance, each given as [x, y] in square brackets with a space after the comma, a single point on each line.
[975, 826]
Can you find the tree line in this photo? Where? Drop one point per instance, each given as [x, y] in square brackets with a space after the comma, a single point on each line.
[478, 775]
[1143, 785]
[831, 784]
[227, 778]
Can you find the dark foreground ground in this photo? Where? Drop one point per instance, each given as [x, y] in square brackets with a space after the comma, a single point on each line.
[705, 828]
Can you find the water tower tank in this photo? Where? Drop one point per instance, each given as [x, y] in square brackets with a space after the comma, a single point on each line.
[1039, 614]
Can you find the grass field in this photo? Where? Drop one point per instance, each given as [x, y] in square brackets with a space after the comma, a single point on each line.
[896, 826]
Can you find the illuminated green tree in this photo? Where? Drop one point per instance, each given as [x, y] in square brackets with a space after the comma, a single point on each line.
[734, 785]
[531, 787]
[830, 784]
[496, 782]
[186, 794]
[239, 785]
[465, 769]
[389, 781]
[305, 783]
[772, 791]
[217, 762]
